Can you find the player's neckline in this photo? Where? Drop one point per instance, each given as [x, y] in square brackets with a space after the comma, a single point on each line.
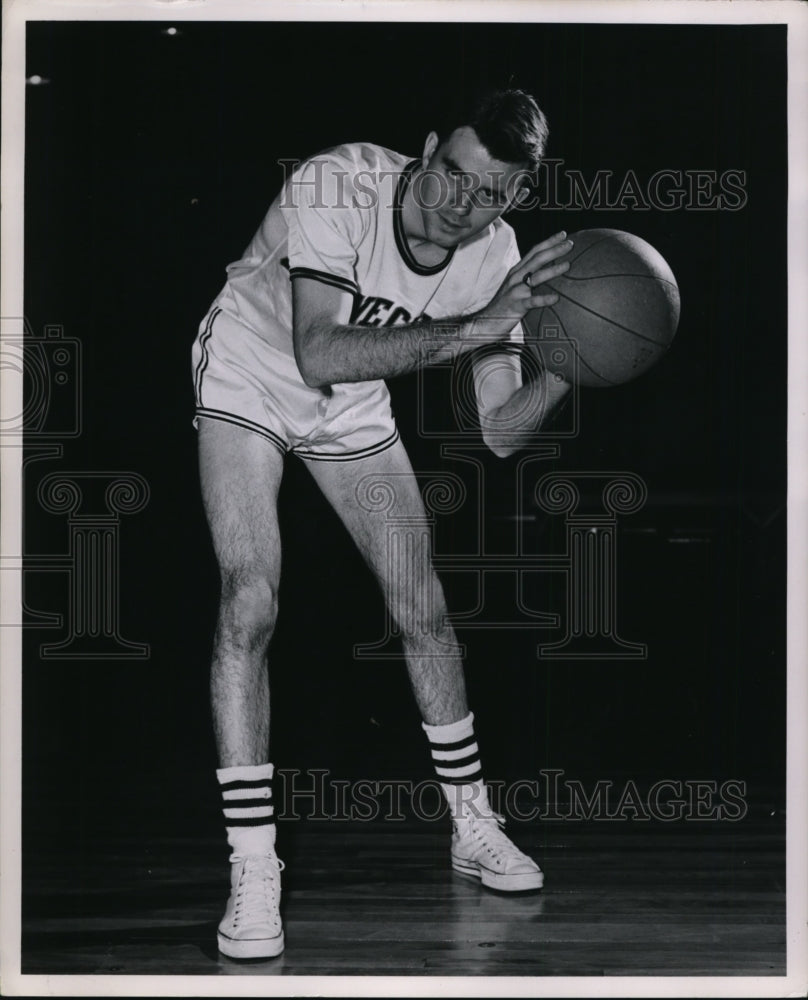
[398, 228]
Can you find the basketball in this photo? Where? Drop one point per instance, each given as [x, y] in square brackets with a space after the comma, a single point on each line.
[617, 310]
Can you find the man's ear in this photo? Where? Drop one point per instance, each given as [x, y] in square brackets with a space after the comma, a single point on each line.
[431, 144]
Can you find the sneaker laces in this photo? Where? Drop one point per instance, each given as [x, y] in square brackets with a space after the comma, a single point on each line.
[257, 890]
[488, 830]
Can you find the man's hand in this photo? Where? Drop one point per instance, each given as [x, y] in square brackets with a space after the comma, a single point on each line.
[518, 293]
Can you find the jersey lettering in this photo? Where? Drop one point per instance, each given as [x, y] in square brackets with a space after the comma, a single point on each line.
[374, 310]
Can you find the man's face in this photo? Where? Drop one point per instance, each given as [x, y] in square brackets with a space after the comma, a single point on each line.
[463, 188]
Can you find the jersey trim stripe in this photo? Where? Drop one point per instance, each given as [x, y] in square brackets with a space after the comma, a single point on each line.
[325, 277]
[350, 456]
[398, 228]
[203, 361]
[229, 418]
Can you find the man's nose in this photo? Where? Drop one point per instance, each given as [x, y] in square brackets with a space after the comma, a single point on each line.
[463, 201]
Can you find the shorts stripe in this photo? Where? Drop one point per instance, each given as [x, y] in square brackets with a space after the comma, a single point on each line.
[203, 361]
[229, 418]
[350, 456]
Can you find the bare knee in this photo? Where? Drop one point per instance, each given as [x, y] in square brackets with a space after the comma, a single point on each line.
[248, 609]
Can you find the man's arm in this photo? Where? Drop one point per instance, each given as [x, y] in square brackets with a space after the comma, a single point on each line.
[511, 412]
[330, 349]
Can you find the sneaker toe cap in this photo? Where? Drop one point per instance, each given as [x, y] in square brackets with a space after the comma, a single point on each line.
[255, 932]
[520, 866]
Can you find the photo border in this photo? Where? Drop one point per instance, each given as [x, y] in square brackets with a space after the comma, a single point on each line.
[16, 14]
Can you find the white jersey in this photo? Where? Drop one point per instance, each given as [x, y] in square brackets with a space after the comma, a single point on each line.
[338, 220]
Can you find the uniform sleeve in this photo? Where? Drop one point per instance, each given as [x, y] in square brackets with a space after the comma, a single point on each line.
[501, 257]
[325, 225]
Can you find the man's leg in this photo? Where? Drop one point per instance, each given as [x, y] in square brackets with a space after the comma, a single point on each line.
[411, 589]
[415, 598]
[240, 474]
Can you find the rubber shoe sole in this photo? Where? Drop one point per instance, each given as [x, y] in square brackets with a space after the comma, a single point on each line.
[250, 947]
[518, 882]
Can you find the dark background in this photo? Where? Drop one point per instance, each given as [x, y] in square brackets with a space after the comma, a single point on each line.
[150, 160]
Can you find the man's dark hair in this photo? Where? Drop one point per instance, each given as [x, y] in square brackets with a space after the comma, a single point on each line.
[511, 126]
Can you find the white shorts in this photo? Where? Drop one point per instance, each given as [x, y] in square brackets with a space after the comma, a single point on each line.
[241, 379]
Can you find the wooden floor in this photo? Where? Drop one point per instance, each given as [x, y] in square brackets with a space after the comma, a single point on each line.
[619, 899]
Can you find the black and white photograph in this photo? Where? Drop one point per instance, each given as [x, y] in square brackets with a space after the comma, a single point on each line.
[404, 512]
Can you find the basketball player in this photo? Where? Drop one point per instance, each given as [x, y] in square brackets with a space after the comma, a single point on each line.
[368, 264]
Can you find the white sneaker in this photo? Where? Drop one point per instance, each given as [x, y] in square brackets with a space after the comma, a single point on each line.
[251, 926]
[480, 848]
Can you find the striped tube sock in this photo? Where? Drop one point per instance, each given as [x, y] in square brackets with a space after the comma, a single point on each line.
[248, 813]
[456, 757]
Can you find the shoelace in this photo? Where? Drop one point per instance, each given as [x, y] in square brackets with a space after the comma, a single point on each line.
[488, 830]
[257, 891]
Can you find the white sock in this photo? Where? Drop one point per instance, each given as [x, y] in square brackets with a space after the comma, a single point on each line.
[248, 812]
[456, 757]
